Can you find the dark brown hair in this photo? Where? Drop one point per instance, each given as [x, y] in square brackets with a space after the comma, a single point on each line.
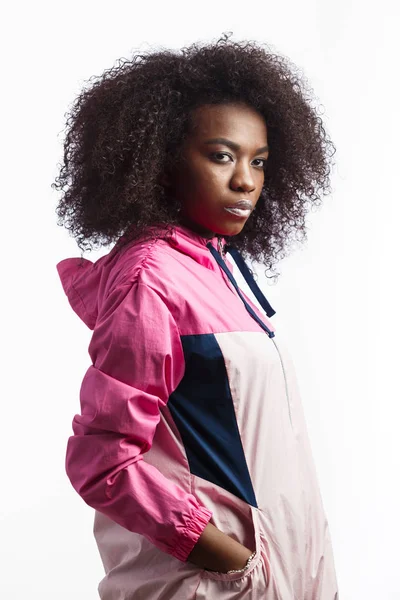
[128, 126]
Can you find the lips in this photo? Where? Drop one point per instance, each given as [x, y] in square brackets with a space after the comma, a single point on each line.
[241, 209]
[239, 212]
[242, 204]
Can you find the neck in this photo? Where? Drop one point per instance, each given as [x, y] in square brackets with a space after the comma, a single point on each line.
[205, 233]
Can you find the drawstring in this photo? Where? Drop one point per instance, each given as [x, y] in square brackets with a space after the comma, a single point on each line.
[244, 269]
[251, 282]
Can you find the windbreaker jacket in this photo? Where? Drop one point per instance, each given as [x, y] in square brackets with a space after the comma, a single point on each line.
[191, 413]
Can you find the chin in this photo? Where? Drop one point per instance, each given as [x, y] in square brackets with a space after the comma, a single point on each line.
[228, 229]
[223, 227]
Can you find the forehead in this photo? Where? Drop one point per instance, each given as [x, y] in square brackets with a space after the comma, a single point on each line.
[228, 120]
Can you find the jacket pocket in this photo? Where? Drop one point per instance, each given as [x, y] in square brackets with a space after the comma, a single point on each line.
[250, 584]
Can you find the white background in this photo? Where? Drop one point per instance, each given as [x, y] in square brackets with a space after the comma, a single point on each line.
[337, 299]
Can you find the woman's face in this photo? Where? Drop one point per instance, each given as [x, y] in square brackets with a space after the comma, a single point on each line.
[224, 159]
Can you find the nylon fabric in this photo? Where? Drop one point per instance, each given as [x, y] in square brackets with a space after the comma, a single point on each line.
[190, 413]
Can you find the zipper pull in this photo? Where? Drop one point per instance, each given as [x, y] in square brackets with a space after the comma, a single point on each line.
[221, 248]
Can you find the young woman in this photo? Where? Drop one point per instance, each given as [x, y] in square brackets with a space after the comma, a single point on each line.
[191, 444]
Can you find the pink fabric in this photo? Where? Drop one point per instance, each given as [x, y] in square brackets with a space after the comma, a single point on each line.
[127, 460]
[121, 396]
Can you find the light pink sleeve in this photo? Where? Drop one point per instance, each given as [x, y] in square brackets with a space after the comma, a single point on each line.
[138, 362]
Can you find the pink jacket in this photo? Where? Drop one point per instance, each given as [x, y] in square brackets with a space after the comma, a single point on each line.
[190, 413]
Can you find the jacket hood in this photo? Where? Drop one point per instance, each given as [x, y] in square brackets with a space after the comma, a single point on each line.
[84, 281]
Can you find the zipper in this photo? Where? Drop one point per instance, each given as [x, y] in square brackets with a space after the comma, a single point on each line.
[231, 278]
[286, 384]
[222, 253]
[221, 249]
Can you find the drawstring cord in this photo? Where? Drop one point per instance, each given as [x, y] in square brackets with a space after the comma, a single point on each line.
[244, 269]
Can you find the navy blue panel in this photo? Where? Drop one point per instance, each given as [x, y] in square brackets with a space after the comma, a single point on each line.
[203, 411]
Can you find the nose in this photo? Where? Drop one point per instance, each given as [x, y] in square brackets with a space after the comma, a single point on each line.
[242, 179]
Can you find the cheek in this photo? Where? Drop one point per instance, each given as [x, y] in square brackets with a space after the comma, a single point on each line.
[192, 178]
[260, 182]
[206, 185]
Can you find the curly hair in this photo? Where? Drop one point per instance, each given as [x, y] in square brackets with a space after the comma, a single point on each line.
[127, 128]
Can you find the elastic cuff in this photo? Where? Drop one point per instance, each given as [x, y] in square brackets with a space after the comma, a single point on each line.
[191, 534]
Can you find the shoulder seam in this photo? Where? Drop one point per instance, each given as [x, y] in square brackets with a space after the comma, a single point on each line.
[138, 268]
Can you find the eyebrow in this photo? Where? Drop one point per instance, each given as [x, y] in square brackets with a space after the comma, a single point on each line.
[233, 145]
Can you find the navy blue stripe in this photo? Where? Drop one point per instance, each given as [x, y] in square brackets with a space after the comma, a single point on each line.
[223, 266]
[203, 411]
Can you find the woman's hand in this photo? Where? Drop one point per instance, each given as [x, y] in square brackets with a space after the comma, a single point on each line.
[216, 551]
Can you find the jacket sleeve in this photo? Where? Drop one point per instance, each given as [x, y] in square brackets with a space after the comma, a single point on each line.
[138, 362]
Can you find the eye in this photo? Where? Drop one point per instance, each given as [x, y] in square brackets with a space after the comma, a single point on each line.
[219, 154]
[263, 162]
